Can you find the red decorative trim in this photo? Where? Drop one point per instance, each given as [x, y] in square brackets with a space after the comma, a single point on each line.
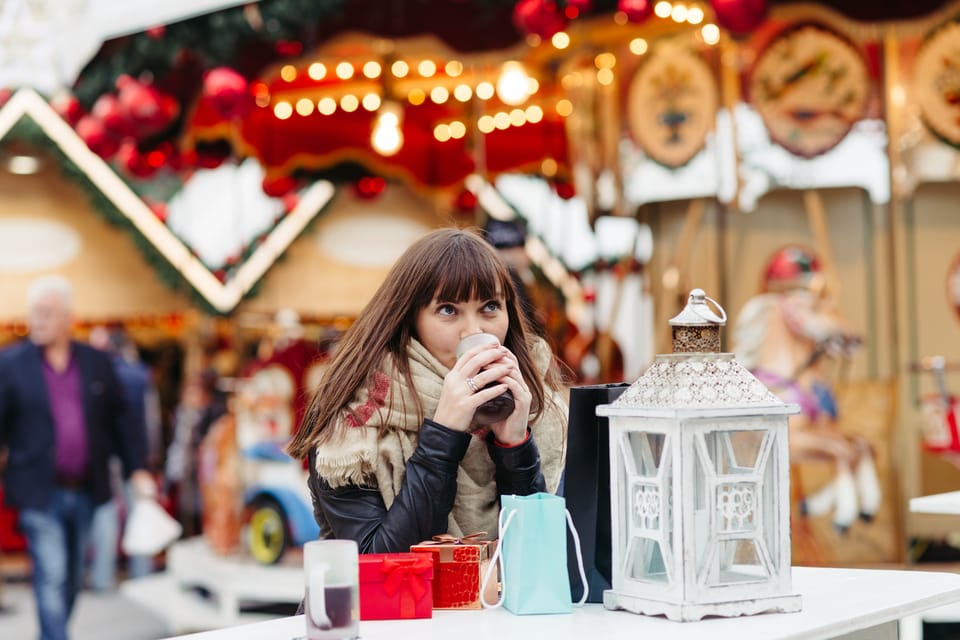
[512, 446]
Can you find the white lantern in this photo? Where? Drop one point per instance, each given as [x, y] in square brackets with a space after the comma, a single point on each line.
[700, 489]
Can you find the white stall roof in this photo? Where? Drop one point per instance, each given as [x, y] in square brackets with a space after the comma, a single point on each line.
[45, 43]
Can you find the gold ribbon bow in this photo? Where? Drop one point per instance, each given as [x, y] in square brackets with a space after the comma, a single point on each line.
[446, 538]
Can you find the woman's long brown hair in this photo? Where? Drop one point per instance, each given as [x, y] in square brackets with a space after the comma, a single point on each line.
[449, 264]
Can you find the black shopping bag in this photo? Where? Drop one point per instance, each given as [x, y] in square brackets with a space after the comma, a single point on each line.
[587, 486]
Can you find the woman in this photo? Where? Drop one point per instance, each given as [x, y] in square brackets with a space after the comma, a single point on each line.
[393, 452]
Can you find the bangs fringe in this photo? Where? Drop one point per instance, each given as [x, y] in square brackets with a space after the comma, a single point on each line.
[469, 272]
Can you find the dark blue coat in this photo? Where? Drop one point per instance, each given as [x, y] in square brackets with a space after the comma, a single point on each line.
[27, 429]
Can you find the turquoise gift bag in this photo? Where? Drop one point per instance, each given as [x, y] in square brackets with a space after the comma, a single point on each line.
[533, 555]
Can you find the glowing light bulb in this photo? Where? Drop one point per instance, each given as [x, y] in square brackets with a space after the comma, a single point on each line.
[387, 138]
[400, 69]
[710, 33]
[283, 110]
[513, 85]
[344, 70]
[484, 90]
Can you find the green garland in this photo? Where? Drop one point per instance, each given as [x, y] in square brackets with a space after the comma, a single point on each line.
[216, 38]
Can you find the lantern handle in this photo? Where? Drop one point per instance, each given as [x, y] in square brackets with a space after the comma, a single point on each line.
[696, 304]
[723, 312]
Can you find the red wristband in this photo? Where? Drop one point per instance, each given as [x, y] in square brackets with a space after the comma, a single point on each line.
[511, 446]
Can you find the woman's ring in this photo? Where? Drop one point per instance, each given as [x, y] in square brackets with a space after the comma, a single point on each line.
[472, 385]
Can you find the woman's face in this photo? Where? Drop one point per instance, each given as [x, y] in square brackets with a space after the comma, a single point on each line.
[441, 325]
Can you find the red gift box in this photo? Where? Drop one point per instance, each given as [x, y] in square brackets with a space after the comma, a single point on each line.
[395, 586]
[459, 565]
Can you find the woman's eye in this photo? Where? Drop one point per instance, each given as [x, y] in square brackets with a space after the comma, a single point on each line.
[492, 306]
[446, 310]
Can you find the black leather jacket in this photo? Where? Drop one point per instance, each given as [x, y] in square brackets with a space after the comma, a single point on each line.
[426, 498]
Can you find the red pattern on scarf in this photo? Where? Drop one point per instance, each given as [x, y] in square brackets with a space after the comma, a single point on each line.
[375, 400]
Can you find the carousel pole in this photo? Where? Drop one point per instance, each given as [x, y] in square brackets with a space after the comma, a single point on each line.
[817, 218]
[905, 469]
[674, 280]
[730, 97]
[606, 115]
[478, 142]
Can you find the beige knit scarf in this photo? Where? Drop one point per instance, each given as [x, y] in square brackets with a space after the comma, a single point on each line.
[362, 457]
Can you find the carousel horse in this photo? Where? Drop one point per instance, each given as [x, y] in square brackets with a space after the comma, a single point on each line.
[786, 338]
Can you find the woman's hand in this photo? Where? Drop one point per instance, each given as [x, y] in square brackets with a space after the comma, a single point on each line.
[463, 388]
[513, 430]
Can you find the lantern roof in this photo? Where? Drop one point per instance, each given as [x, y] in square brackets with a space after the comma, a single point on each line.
[684, 385]
[697, 380]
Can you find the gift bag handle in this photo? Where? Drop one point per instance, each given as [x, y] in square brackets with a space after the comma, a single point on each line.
[497, 557]
[576, 545]
[501, 532]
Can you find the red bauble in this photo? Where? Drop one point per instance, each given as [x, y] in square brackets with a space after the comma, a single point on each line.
[97, 137]
[740, 16]
[279, 186]
[290, 201]
[135, 162]
[565, 190]
[576, 8]
[369, 187]
[148, 110]
[107, 110]
[636, 10]
[157, 32]
[541, 17]
[288, 48]
[68, 107]
[466, 201]
[227, 92]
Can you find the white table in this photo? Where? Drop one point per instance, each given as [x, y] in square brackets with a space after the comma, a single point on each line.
[856, 604]
[933, 516]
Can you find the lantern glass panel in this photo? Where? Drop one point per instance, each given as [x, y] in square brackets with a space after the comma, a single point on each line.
[646, 497]
[734, 506]
[645, 561]
[734, 452]
[739, 561]
[645, 453]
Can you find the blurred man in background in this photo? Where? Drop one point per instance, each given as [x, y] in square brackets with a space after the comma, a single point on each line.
[62, 414]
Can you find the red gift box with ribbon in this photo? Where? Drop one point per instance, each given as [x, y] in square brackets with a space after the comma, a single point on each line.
[458, 568]
[395, 586]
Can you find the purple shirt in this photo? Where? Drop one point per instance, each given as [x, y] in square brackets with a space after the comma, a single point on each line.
[65, 391]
